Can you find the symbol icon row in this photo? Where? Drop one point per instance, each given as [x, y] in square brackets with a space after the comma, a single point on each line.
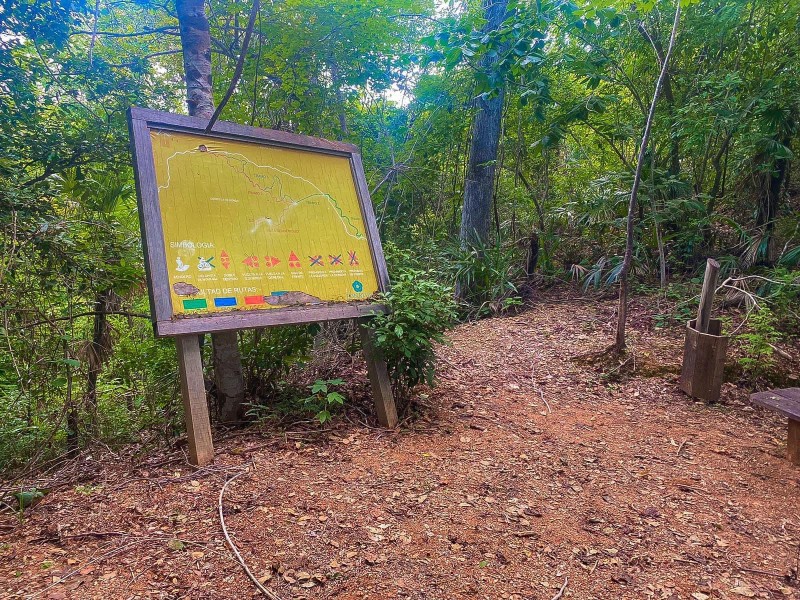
[256, 262]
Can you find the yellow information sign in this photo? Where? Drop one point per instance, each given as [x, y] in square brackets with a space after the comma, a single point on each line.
[248, 226]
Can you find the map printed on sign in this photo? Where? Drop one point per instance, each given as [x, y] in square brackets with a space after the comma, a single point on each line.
[249, 226]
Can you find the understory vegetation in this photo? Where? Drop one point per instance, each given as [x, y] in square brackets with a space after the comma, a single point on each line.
[404, 81]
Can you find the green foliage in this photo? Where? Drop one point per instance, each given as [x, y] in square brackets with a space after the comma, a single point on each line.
[268, 355]
[399, 78]
[486, 277]
[421, 310]
[757, 344]
[324, 399]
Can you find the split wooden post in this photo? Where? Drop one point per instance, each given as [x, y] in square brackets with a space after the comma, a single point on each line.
[707, 295]
[705, 347]
[195, 406]
[378, 378]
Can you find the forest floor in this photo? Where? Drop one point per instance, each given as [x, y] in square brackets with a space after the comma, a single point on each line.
[523, 470]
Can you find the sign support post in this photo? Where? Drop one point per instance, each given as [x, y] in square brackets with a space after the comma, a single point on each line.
[195, 406]
[378, 378]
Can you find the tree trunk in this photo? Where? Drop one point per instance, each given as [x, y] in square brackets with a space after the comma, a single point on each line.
[196, 44]
[624, 283]
[73, 415]
[340, 99]
[768, 203]
[99, 350]
[476, 212]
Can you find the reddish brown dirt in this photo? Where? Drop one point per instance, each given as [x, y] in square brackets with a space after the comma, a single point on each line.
[626, 489]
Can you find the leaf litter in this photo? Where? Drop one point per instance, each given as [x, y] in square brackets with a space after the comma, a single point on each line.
[612, 488]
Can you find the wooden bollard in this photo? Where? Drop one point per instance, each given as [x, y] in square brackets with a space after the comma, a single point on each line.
[704, 349]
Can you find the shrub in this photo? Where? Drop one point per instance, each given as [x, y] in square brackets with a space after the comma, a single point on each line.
[757, 344]
[486, 277]
[269, 354]
[421, 309]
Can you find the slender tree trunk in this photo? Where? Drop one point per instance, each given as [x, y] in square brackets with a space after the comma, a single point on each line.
[196, 44]
[73, 415]
[340, 99]
[768, 204]
[622, 311]
[476, 212]
[99, 350]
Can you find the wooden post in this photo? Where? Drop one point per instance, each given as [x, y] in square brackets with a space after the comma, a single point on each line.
[793, 443]
[195, 406]
[378, 378]
[707, 295]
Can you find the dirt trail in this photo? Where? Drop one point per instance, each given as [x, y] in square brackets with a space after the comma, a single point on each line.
[629, 490]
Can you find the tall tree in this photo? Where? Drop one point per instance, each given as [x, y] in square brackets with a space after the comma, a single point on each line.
[624, 282]
[479, 184]
[196, 45]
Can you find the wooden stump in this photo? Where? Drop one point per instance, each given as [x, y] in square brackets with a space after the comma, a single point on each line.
[703, 361]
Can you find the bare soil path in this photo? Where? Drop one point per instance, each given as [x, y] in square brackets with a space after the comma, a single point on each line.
[626, 490]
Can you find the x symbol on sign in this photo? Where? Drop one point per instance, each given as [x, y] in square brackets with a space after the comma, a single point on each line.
[353, 258]
[316, 260]
[335, 260]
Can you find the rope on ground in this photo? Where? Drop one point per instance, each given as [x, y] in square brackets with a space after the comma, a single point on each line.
[561, 591]
[541, 393]
[268, 593]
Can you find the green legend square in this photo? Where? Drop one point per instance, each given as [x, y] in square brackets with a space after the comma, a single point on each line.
[194, 304]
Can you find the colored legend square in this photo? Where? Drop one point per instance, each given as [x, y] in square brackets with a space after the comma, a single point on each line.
[254, 300]
[224, 302]
[194, 304]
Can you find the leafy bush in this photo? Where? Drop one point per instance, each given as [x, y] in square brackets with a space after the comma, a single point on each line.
[486, 277]
[421, 309]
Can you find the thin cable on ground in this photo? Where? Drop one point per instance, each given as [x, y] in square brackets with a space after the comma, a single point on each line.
[268, 593]
[561, 591]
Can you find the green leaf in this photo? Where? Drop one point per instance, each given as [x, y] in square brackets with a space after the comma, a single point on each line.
[453, 57]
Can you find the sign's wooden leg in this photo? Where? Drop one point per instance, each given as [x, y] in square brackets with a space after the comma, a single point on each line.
[379, 379]
[793, 443]
[195, 406]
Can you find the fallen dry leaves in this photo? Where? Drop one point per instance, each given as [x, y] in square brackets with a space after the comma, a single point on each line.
[625, 489]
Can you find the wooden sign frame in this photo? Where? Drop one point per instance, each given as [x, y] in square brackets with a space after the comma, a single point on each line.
[141, 122]
[185, 328]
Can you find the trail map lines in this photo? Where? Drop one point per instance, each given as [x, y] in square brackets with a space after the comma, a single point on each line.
[349, 228]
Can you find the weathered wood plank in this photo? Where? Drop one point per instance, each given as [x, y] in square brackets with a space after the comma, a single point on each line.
[231, 130]
[785, 402]
[793, 442]
[265, 318]
[703, 362]
[150, 220]
[378, 378]
[195, 405]
[707, 295]
[368, 214]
